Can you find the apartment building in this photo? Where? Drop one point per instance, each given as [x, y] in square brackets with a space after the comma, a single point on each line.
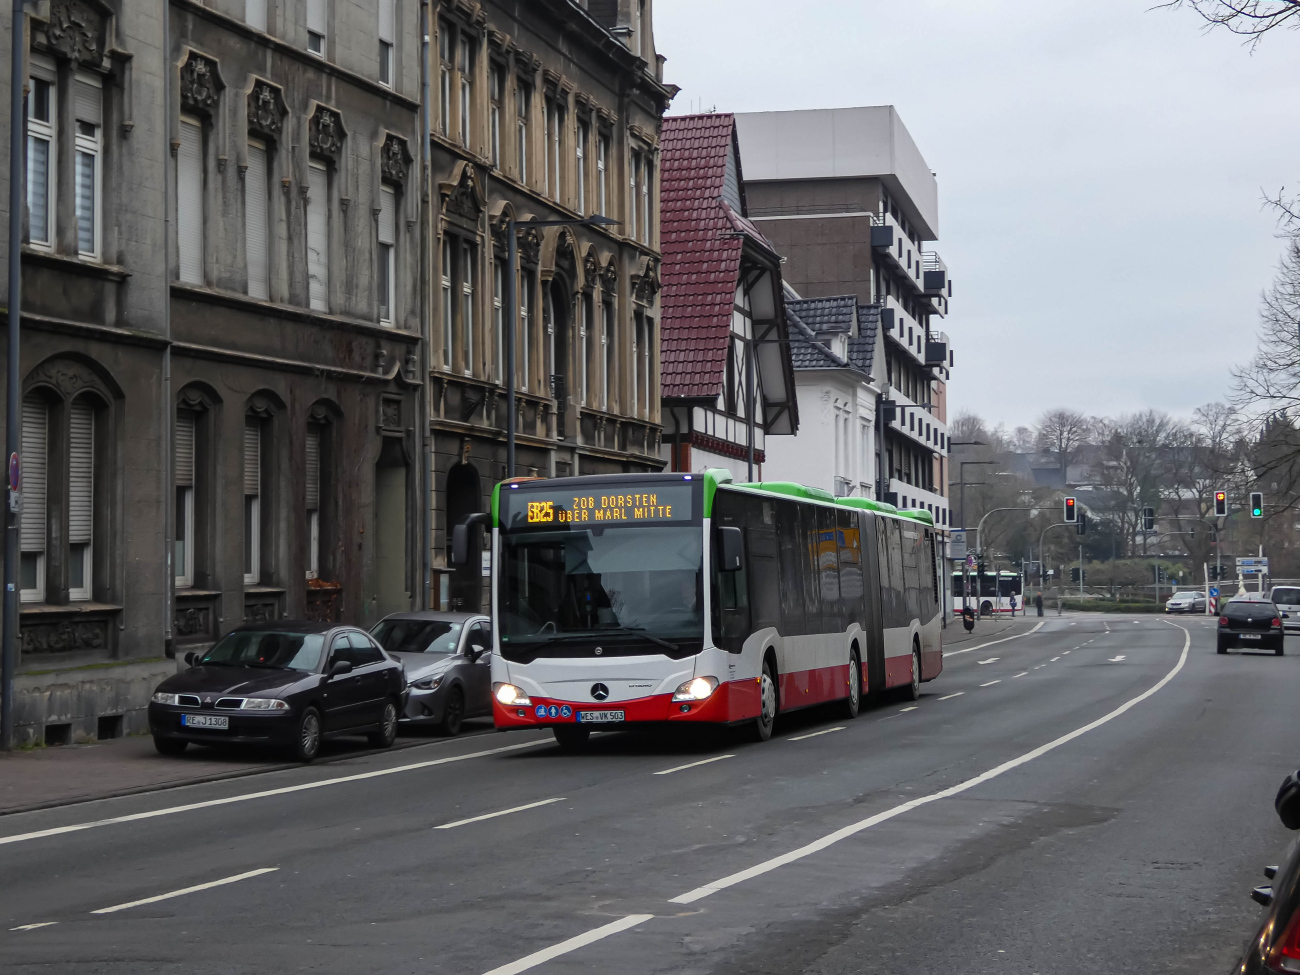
[846, 196]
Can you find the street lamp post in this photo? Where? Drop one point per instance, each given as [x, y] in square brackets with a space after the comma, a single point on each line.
[512, 302]
[961, 483]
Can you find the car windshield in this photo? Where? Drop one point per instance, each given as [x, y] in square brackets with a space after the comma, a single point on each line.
[271, 649]
[558, 586]
[418, 636]
[1286, 596]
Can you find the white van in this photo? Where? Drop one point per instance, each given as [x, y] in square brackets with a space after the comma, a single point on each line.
[1287, 601]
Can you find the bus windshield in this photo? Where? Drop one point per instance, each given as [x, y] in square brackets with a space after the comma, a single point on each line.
[612, 591]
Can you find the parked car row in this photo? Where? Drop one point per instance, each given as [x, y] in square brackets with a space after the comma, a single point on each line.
[291, 685]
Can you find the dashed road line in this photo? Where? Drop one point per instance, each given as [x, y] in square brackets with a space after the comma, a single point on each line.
[494, 815]
[912, 708]
[33, 927]
[814, 734]
[186, 890]
[683, 768]
[1021, 674]
[1017, 636]
[992, 682]
[949, 697]
[989, 661]
[573, 944]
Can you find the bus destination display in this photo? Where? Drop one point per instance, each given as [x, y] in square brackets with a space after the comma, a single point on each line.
[669, 503]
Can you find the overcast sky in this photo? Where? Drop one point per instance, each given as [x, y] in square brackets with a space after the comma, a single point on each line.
[1101, 168]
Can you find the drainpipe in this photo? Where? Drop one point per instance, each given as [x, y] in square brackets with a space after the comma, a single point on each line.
[426, 440]
[168, 417]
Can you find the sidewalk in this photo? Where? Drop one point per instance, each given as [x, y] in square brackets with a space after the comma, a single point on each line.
[57, 776]
[955, 636]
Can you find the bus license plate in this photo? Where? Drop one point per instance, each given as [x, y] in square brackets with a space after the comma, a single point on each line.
[599, 717]
[220, 722]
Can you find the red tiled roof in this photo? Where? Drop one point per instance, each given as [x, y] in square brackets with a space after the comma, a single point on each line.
[701, 246]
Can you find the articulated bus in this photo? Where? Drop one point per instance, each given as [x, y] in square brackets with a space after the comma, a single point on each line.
[660, 598]
[990, 594]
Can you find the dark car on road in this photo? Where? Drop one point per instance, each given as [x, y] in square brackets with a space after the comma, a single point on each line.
[286, 685]
[1276, 946]
[448, 662]
[1249, 621]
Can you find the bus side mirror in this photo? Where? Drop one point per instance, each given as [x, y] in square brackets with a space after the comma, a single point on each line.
[460, 536]
[731, 549]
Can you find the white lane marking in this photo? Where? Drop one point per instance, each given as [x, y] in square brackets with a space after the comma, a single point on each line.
[494, 815]
[186, 890]
[953, 653]
[573, 944]
[33, 927]
[989, 661]
[912, 708]
[1116, 659]
[286, 790]
[1067, 652]
[816, 733]
[707, 761]
[992, 682]
[691, 896]
[949, 697]
[1054, 659]
[1021, 674]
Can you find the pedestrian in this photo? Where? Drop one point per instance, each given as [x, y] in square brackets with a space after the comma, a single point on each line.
[1012, 600]
[1038, 603]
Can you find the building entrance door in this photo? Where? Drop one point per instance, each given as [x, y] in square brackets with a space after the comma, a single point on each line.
[391, 593]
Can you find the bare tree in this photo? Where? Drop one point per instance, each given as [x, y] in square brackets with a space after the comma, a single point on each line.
[1271, 381]
[1249, 18]
[1064, 433]
[1132, 466]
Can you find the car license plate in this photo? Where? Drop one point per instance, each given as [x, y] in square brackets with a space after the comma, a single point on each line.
[1251, 636]
[218, 721]
[599, 717]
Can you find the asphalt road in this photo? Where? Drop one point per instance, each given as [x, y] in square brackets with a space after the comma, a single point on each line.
[1091, 797]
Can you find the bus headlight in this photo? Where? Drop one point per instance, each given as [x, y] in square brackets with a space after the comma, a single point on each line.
[510, 696]
[697, 689]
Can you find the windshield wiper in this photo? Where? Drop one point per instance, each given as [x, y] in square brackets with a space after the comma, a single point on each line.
[595, 634]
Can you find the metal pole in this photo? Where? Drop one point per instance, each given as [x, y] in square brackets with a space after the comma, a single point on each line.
[512, 264]
[1080, 570]
[17, 188]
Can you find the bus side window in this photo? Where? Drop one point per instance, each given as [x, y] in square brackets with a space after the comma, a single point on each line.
[791, 562]
[897, 581]
[764, 578]
[731, 623]
[828, 570]
[934, 569]
[851, 588]
[812, 599]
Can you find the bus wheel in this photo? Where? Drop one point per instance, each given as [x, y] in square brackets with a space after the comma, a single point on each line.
[854, 703]
[762, 728]
[914, 689]
[571, 738]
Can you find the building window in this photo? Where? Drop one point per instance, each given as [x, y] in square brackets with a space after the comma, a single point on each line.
[387, 33]
[89, 97]
[525, 328]
[586, 330]
[252, 500]
[448, 306]
[386, 285]
[647, 363]
[317, 26]
[499, 317]
[523, 95]
[644, 222]
[602, 175]
[638, 340]
[255, 14]
[634, 177]
[313, 500]
[257, 222]
[32, 523]
[466, 65]
[581, 174]
[41, 155]
[467, 266]
[318, 237]
[184, 462]
[557, 144]
[446, 42]
[607, 342]
[496, 91]
[189, 202]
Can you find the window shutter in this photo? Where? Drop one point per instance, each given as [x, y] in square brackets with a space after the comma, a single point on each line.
[255, 223]
[387, 216]
[387, 19]
[36, 417]
[252, 458]
[318, 247]
[255, 14]
[313, 468]
[184, 449]
[81, 471]
[88, 102]
[317, 15]
[189, 203]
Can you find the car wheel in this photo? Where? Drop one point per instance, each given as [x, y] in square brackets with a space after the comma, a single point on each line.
[1223, 645]
[452, 713]
[1280, 649]
[387, 733]
[761, 729]
[306, 744]
[169, 746]
[570, 737]
[854, 702]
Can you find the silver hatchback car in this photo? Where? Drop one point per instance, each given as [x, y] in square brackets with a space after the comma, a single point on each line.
[447, 658]
[1287, 601]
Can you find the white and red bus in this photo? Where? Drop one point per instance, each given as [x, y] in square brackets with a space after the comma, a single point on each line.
[990, 594]
[625, 599]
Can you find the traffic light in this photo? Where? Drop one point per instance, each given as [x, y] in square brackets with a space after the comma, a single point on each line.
[1081, 526]
[1148, 519]
[1256, 504]
[1220, 503]
[1071, 511]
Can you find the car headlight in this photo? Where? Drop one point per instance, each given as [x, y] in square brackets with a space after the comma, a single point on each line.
[161, 697]
[264, 704]
[511, 696]
[697, 689]
[427, 684]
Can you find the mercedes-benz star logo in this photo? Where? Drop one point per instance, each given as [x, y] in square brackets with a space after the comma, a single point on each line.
[599, 692]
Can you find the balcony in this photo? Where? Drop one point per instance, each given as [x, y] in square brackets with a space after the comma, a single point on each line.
[935, 282]
[910, 420]
[889, 242]
[902, 328]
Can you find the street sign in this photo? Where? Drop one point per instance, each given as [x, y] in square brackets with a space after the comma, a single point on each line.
[1253, 565]
[1214, 599]
[970, 561]
[957, 545]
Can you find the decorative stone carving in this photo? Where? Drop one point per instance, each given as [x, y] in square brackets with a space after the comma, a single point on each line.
[590, 269]
[62, 636]
[266, 109]
[382, 358]
[261, 610]
[530, 245]
[325, 132]
[201, 84]
[192, 620]
[411, 367]
[77, 30]
[646, 284]
[394, 159]
[609, 276]
[565, 260]
[497, 228]
[390, 413]
[68, 376]
[463, 199]
[262, 406]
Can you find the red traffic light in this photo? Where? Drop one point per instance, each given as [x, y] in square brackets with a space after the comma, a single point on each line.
[1071, 511]
[1220, 503]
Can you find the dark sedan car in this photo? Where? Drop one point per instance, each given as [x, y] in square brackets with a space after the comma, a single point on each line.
[1251, 620]
[1276, 945]
[448, 662]
[284, 684]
